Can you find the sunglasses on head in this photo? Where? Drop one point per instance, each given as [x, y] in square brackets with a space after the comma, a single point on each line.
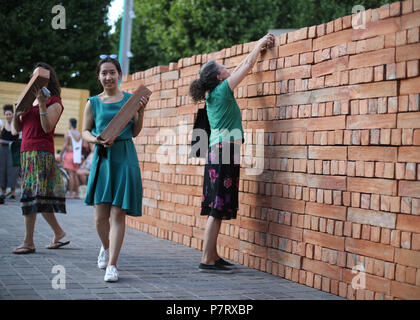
[104, 56]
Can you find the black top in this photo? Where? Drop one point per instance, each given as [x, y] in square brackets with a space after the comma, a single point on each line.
[7, 135]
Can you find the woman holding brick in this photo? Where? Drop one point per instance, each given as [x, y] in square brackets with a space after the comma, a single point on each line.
[114, 184]
[42, 184]
[221, 173]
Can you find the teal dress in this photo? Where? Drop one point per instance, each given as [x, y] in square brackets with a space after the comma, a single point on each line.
[117, 171]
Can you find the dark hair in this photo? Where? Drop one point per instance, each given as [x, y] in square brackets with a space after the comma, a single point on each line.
[73, 122]
[111, 60]
[53, 84]
[7, 107]
[207, 81]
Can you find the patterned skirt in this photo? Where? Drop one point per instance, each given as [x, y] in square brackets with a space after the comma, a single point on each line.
[221, 181]
[42, 183]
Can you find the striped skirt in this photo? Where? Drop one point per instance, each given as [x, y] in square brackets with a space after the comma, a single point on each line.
[42, 183]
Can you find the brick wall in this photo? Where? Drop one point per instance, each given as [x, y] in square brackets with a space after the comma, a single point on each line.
[339, 107]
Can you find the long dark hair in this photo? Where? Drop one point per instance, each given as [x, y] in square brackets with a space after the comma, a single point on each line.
[207, 81]
[53, 84]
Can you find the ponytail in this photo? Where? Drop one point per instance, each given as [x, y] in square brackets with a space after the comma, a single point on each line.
[207, 81]
[197, 91]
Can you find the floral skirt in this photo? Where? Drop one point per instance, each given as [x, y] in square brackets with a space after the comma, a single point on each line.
[42, 183]
[221, 181]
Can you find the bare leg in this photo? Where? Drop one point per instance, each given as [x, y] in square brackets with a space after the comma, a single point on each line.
[30, 220]
[116, 235]
[102, 214]
[52, 221]
[210, 240]
[71, 184]
[75, 184]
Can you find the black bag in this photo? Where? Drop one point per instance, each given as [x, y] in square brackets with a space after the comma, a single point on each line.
[200, 135]
[14, 148]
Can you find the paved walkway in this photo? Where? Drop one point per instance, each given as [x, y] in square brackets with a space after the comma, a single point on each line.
[150, 267]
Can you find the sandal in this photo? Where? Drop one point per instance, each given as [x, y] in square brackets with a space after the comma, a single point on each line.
[57, 244]
[23, 250]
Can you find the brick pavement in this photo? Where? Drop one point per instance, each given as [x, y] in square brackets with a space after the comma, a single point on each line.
[150, 268]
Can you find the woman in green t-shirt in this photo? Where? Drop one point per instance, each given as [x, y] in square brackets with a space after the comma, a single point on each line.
[221, 172]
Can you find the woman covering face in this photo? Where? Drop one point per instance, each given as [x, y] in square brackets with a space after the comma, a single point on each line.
[42, 185]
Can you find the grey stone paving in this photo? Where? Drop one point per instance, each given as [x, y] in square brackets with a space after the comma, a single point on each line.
[150, 267]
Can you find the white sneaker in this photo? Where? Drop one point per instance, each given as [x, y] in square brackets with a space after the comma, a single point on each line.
[103, 258]
[111, 274]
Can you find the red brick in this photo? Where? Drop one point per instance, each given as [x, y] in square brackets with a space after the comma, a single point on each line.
[410, 86]
[374, 218]
[374, 58]
[412, 68]
[410, 20]
[285, 231]
[295, 47]
[324, 269]
[326, 211]
[285, 258]
[330, 66]
[416, 241]
[405, 291]
[368, 185]
[253, 249]
[371, 121]
[323, 240]
[327, 153]
[409, 154]
[408, 52]
[376, 28]
[332, 39]
[409, 223]
[409, 188]
[254, 224]
[370, 249]
[373, 90]
[190, 71]
[370, 153]
[293, 73]
[395, 9]
[408, 120]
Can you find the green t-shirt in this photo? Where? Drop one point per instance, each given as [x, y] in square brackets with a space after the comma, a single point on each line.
[224, 115]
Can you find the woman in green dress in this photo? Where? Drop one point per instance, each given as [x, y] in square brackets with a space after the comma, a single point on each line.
[114, 185]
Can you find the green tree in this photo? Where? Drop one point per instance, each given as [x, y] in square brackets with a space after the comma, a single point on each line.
[164, 31]
[28, 36]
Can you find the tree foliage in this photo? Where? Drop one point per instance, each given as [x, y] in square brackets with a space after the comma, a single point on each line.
[164, 31]
[27, 37]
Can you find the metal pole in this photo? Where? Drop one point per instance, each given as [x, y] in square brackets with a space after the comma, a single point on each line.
[125, 37]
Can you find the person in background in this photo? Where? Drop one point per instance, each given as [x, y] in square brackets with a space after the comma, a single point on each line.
[72, 154]
[8, 173]
[84, 169]
[87, 148]
[42, 186]
[221, 172]
[114, 186]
